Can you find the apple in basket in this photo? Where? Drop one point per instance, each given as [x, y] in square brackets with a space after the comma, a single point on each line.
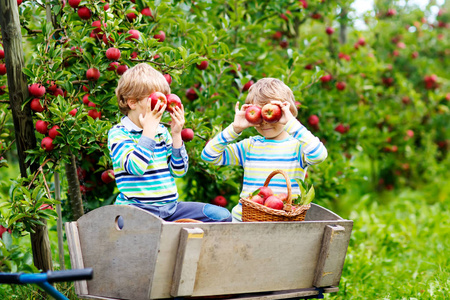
[274, 202]
[265, 192]
[257, 199]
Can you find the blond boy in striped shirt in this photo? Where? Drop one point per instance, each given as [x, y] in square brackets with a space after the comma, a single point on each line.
[146, 157]
[285, 145]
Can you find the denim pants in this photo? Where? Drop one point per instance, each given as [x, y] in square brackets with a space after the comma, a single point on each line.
[204, 212]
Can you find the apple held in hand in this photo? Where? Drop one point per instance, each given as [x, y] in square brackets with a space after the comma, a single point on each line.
[172, 102]
[274, 202]
[271, 113]
[157, 96]
[253, 114]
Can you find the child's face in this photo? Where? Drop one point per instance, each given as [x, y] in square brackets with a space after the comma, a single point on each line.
[272, 131]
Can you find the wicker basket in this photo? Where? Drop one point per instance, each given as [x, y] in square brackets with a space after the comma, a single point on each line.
[255, 212]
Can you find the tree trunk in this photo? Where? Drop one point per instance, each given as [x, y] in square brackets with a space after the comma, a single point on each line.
[76, 203]
[40, 245]
[23, 122]
[343, 26]
[17, 83]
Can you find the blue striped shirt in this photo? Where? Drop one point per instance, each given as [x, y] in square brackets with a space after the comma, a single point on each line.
[145, 168]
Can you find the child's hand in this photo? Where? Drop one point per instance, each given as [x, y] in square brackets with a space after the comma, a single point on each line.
[151, 119]
[285, 107]
[240, 122]
[178, 121]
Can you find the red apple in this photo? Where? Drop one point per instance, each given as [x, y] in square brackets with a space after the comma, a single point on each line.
[91, 104]
[108, 176]
[191, 94]
[2, 69]
[157, 96]
[74, 3]
[36, 90]
[113, 53]
[283, 197]
[2, 89]
[313, 120]
[284, 44]
[36, 105]
[298, 104]
[303, 3]
[253, 114]
[51, 86]
[73, 112]
[47, 144]
[187, 134]
[94, 114]
[133, 55]
[361, 41]
[342, 128]
[391, 12]
[326, 78]
[131, 16]
[271, 113]
[59, 91]
[258, 199]
[84, 13]
[2, 54]
[329, 30]
[98, 26]
[172, 102]
[277, 35]
[220, 201]
[203, 65]
[168, 78]
[161, 36]
[42, 126]
[274, 202]
[107, 39]
[265, 192]
[135, 34]
[45, 206]
[53, 132]
[122, 69]
[340, 85]
[93, 74]
[147, 12]
[113, 66]
[3, 230]
[247, 85]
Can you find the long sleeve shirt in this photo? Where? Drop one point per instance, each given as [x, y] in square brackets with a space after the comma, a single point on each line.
[145, 168]
[260, 156]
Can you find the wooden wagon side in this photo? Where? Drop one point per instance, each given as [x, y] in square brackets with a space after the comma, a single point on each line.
[152, 259]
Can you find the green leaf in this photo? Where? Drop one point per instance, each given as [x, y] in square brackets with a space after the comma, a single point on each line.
[309, 197]
[7, 239]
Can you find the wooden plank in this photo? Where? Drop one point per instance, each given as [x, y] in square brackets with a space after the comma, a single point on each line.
[76, 256]
[188, 255]
[319, 213]
[123, 259]
[246, 257]
[332, 256]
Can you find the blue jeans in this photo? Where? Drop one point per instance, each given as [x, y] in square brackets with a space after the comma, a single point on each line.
[204, 212]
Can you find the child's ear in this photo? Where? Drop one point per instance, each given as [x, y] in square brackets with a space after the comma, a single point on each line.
[131, 103]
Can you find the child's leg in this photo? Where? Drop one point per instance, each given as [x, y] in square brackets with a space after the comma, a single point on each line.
[200, 211]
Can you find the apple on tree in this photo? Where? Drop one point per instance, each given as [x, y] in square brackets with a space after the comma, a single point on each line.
[2, 69]
[108, 176]
[247, 86]
[160, 36]
[47, 144]
[37, 90]
[203, 65]
[168, 78]
[220, 201]
[271, 113]
[313, 120]
[113, 53]
[187, 134]
[84, 13]
[253, 114]
[92, 74]
[53, 132]
[36, 105]
[42, 126]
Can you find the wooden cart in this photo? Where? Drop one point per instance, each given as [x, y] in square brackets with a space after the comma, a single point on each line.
[136, 255]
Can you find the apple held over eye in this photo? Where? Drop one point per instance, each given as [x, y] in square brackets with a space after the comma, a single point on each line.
[157, 96]
[274, 202]
[172, 102]
[271, 113]
[253, 114]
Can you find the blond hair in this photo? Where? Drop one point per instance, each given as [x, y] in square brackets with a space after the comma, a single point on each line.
[269, 89]
[138, 83]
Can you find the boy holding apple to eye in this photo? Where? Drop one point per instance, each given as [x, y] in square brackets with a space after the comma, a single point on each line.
[284, 142]
[146, 157]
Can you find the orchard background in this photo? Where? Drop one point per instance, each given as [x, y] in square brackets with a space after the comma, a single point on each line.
[377, 95]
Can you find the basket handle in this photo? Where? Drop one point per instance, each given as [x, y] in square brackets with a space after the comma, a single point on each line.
[288, 185]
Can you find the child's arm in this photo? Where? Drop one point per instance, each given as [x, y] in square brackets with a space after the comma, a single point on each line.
[313, 150]
[179, 160]
[128, 156]
[219, 151]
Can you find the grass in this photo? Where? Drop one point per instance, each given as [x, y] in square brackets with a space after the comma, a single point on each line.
[399, 245]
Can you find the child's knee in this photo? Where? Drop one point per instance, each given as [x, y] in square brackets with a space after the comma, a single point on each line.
[216, 213]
